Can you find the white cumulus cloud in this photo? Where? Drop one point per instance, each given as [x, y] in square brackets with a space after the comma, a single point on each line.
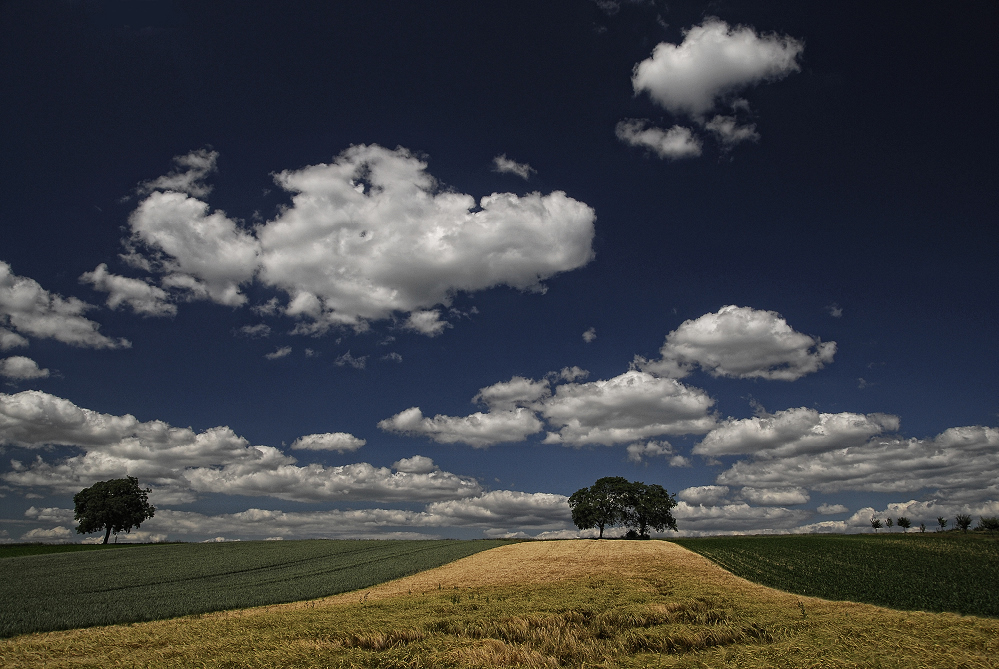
[188, 175]
[714, 62]
[427, 322]
[205, 254]
[33, 311]
[21, 368]
[740, 342]
[144, 298]
[830, 509]
[673, 144]
[960, 465]
[794, 432]
[9, 340]
[479, 430]
[503, 509]
[729, 132]
[179, 463]
[341, 442]
[418, 464]
[704, 494]
[517, 392]
[637, 452]
[739, 518]
[368, 236]
[281, 352]
[775, 496]
[629, 407]
[47, 534]
[505, 165]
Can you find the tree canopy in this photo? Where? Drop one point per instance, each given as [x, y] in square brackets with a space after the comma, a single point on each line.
[115, 506]
[613, 500]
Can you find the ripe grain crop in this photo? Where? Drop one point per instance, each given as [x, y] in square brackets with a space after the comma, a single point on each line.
[582, 603]
[68, 590]
[914, 571]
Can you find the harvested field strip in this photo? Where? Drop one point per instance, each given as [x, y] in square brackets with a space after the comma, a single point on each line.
[543, 604]
[919, 572]
[69, 590]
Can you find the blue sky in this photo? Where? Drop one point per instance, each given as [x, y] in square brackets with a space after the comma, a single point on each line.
[314, 270]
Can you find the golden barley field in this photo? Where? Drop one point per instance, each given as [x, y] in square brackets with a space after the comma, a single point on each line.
[581, 603]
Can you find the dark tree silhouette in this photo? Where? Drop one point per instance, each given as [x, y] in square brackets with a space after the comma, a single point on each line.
[904, 523]
[942, 522]
[988, 524]
[963, 521]
[648, 507]
[601, 505]
[115, 506]
[875, 523]
[613, 500]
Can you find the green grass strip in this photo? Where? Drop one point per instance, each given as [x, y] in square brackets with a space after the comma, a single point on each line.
[82, 589]
[915, 571]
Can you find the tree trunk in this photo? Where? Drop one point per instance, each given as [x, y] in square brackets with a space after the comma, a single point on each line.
[107, 534]
[601, 526]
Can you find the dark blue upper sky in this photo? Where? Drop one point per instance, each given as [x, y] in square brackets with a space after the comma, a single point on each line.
[857, 206]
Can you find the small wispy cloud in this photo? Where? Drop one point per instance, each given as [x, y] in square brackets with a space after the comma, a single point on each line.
[350, 361]
[280, 353]
[505, 165]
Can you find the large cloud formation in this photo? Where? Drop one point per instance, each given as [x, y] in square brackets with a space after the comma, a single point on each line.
[646, 401]
[629, 407]
[960, 464]
[794, 432]
[28, 309]
[743, 343]
[180, 463]
[366, 237]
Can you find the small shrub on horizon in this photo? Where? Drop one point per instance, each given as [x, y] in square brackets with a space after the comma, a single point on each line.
[988, 524]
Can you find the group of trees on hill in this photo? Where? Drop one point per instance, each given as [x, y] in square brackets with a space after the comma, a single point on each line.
[615, 501]
[962, 521]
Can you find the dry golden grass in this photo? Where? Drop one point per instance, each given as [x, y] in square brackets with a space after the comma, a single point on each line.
[542, 604]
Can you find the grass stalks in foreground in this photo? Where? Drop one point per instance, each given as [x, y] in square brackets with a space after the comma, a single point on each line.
[552, 604]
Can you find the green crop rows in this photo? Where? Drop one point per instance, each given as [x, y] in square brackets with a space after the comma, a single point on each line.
[927, 572]
[104, 587]
[18, 550]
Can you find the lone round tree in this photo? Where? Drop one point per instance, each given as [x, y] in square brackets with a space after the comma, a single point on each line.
[613, 500]
[115, 506]
[601, 505]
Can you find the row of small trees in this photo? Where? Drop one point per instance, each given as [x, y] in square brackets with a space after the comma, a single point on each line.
[615, 501]
[962, 521]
